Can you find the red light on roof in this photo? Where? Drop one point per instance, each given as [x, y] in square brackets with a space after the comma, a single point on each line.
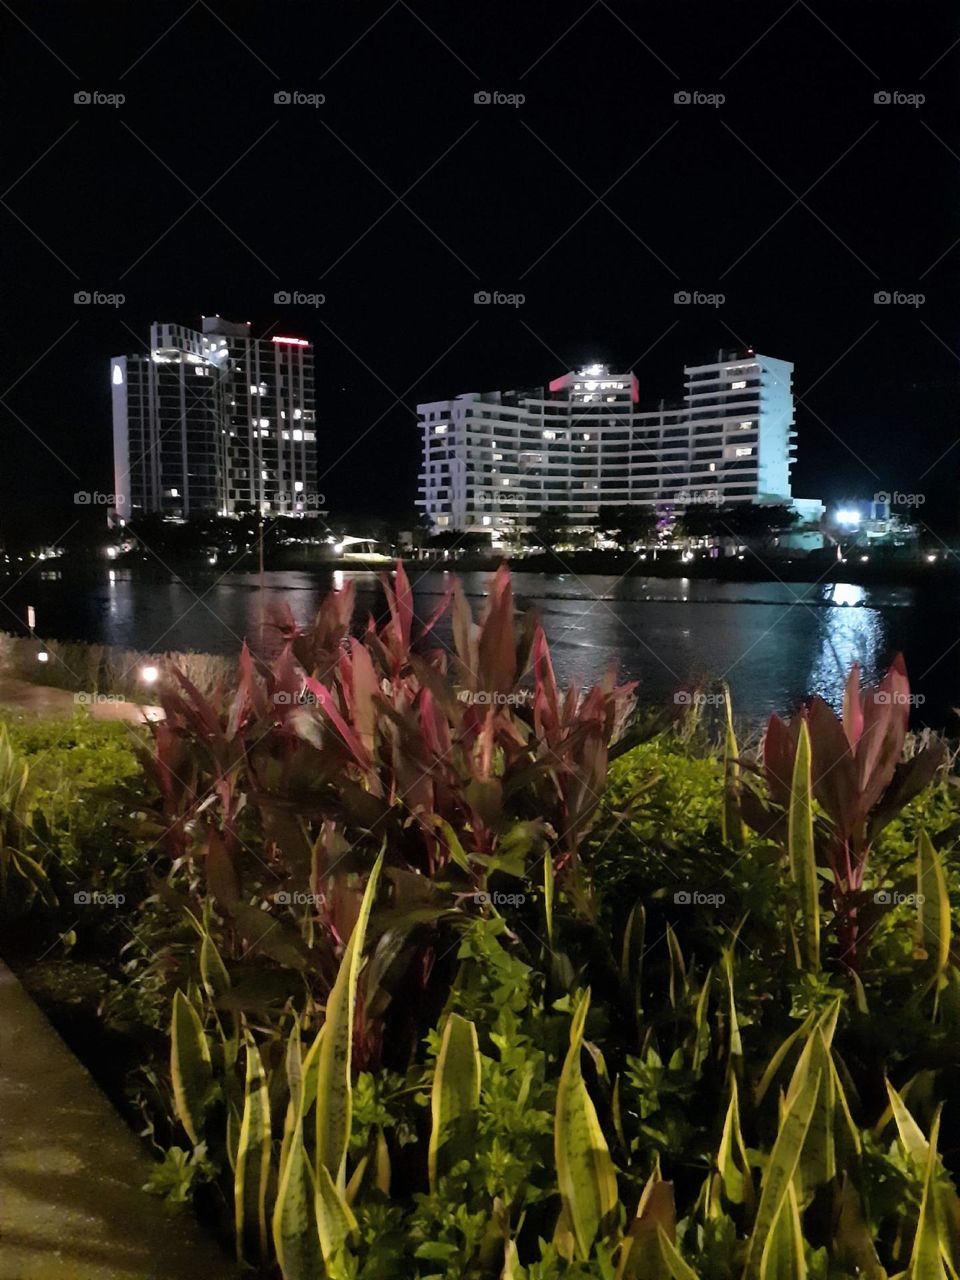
[293, 342]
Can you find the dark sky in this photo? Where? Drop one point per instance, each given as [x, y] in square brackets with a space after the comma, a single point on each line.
[798, 198]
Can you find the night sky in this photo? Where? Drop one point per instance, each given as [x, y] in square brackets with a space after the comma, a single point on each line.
[598, 198]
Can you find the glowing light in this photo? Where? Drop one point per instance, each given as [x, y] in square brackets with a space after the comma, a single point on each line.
[849, 517]
[43, 656]
[149, 675]
[117, 376]
[293, 342]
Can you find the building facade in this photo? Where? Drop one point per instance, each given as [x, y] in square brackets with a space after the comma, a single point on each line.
[215, 422]
[495, 460]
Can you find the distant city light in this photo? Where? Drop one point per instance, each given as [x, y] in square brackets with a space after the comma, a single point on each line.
[848, 516]
[293, 342]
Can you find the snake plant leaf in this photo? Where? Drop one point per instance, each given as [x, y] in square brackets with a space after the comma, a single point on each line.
[782, 1165]
[585, 1172]
[818, 1157]
[335, 1220]
[216, 984]
[776, 1062]
[926, 1257]
[678, 969]
[801, 851]
[783, 1256]
[640, 1254]
[455, 1098]
[732, 1160]
[933, 906]
[853, 1241]
[731, 819]
[701, 1024]
[910, 1133]
[677, 1269]
[252, 1169]
[190, 1066]
[548, 892]
[295, 1236]
[733, 1021]
[334, 1083]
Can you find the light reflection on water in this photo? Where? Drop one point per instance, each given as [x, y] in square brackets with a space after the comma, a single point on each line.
[773, 642]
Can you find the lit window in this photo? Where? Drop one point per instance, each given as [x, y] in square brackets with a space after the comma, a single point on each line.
[498, 457]
[738, 386]
[506, 479]
[254, 391]
[744, 453]
[297, 433]
[586, 435]
[443, 519]
[174, 493]
[745, 426]
[264, 475]
[298, 413]
[549, 435]
[487, 520]
[298, 486]
[713, 466]
[117, 376]
[440, 429]
[264, 422]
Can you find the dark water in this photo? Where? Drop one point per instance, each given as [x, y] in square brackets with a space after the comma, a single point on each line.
[772, 642]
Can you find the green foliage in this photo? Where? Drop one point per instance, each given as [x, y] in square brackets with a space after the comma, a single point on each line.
[376, 908]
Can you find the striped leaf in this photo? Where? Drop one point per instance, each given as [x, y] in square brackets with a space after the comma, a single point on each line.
[335, 1220]
[926, 1257]
[933, 907]
[783, 1257]
[781, 1167]
[801, 852]
[334, 1083]
[731, 820]
[252, 1169]
[732, 1157]
[295, 1236]
[585, 1173]
[455, 1097]
[190, 1066]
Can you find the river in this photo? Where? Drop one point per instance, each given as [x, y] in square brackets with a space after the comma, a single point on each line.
[773, 642]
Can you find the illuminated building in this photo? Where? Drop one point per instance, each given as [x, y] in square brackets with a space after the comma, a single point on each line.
[495, 460]
[214, 422]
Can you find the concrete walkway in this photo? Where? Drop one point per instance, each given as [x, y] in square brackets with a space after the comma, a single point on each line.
[43, 700]
[71, 1207]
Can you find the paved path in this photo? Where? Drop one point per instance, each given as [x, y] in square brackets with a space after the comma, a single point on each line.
[71, 1207]
[42, 700]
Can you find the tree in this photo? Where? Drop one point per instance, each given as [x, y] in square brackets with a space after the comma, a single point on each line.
[699, 520]
[550, 526]
[627, 525]
[750, 522]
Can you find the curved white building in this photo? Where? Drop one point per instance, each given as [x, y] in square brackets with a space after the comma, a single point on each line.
[495, 460]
